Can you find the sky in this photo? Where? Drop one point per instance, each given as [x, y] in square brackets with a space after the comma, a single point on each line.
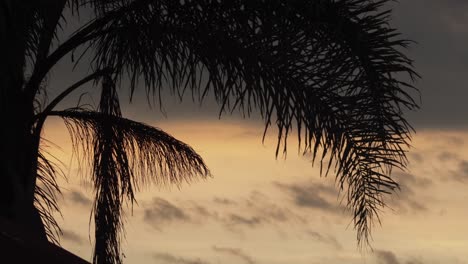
[258, 209]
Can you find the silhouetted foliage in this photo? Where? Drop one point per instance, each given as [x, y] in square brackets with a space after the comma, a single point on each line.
[331, 68]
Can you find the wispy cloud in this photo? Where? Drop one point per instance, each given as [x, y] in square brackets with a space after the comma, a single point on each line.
[236, 252]
[407, 199]
[260, 204]
[461, 173]
[249, 221]
[78, 197]
[257, 210]
[446, 156]
[71, 236]
[386, 257]
[312, 195]
[240, 216]
[249, 212]
[415, 261]
[326, 239]
[162, 212]
[415, 157]
[203, 212]
[454, 165]
[411, 181]
[223, 201]
[166, 258]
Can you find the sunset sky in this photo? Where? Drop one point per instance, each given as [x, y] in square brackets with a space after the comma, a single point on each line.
[257, 209]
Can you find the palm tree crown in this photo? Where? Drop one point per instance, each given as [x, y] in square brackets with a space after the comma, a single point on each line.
[332, 69]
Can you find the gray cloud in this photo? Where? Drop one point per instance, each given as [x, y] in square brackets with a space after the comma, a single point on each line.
[407, 200]
[411, 181]
[166, 258]
[416, 206]
[460, 171]
[454, 141]
[312, 195]
[254, 211]
[203, 212]
[249, 214]
[72, 236]
[415, 157]
[223, 201]
[386, 257]
[249, 221]
[445, 156]
[452, 166]
[461, 174]
[79, 198]
[260, 205]
[415, 261]
[326, 239]
[162, 212]
[237, 252]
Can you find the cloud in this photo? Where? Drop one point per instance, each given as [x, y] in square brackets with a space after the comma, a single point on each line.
[223, 201]
[257, 210]
[460, 165]
[445, 156]
[327, 239]
[416, 206]
[166, 258]
[461, 174]
[236, 252]
[253, 211]
[410, 180]
[416, 157]
[202, 212]
[415, 261]
[72, 236]
[79, 198]
[260, 205]
[406, 199]
[248, 214]
[251, 221]
[162, 212]
[312, 195]
[386, 257]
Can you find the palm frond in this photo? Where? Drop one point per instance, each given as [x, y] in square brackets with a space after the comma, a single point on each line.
[126, 155]
[46, 194]
[155, 156]
[112, 180]
[332, 68]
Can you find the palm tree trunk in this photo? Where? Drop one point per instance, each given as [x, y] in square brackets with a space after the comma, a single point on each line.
[16, 113]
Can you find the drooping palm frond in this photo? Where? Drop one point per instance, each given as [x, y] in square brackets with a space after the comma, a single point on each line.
[154, 156]
[46, 194]
[112, 179]
[126, 155]
[332, 68]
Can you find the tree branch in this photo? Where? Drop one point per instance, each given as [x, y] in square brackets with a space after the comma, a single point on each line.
[70, 89]
[47, 111]
[51, 20]
[83, 35]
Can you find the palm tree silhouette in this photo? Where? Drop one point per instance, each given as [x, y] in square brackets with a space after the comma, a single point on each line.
[330, 68]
